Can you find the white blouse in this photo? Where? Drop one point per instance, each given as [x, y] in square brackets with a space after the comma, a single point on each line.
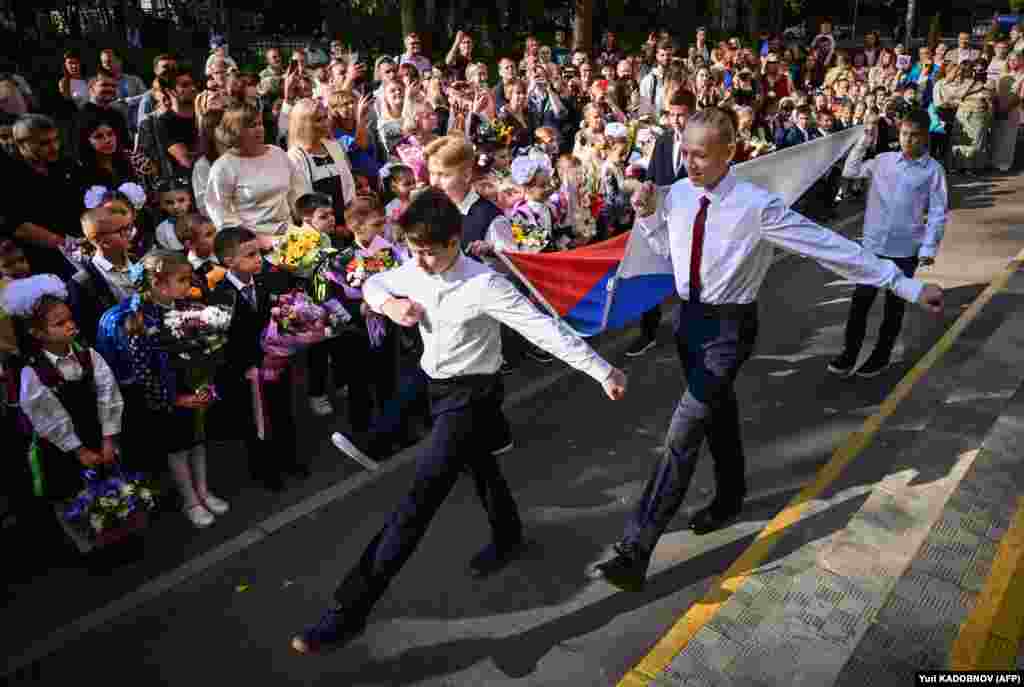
[200, 178]
[50, 419]
[254, 192]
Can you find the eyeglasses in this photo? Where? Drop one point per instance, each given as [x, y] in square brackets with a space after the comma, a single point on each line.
[172, 184]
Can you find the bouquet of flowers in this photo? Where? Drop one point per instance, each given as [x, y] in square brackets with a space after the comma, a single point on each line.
[362, 267]
[296, 323]
[194, 337]
[108, 509]
[530, 237]
[351, 268]
[300, 251]
[495, 132]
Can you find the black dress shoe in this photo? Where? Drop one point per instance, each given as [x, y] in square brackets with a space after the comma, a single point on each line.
[715, 517]
[334, 630]
[493, 558]
[627, 570]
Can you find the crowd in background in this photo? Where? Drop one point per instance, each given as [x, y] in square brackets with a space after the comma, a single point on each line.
[122, 185]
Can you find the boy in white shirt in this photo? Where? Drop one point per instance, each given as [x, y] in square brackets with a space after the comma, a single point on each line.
[906, 186]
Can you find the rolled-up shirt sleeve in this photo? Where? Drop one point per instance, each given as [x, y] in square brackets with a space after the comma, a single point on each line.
[793, 232]
[938, 208]
[382, 287]
[655, 227]
[505, 304]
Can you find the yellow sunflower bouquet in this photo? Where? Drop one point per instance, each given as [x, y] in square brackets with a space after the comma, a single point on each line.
[300, 251]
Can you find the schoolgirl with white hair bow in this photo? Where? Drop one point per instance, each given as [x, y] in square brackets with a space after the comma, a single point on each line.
[616, 213]
[533, 217]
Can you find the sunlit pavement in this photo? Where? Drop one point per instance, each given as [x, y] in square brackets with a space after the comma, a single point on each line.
[220, 606]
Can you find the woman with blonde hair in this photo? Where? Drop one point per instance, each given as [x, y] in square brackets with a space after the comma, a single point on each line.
[420, 131]
[318, 160]
[251, 184]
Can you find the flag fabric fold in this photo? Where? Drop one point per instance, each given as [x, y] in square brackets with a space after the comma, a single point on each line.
[609, 284]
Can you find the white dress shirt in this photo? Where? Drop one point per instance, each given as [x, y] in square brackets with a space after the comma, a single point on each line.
[744, 224]
[903, 192]
[50, 419]
[652, 89]
[116, 277]
[465, 306]
[198, 262]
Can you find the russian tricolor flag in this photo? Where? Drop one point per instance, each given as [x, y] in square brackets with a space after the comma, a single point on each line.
[612, 283]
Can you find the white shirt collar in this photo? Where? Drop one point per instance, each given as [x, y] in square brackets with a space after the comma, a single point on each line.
[725, 185]
[107, 266]
[198, 262]
[54, 358]
[921, 161]
[467, 203]
[238, 283]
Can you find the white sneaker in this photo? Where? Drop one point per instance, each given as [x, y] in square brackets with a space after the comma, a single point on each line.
[198, 515]
[321, 406]
[215, 505]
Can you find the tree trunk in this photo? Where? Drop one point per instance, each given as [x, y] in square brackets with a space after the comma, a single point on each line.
[583, 25]
[911, 14]
[432, 36]
[408, 8]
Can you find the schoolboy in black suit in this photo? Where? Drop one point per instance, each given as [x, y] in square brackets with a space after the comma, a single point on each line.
[665, 168]
[247, 289]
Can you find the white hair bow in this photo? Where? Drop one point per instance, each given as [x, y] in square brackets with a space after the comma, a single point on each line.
[135, 193]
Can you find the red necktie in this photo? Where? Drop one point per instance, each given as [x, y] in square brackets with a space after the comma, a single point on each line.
[697, 249]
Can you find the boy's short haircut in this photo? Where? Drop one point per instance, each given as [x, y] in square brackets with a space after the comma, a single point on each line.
[228, 240]
[431, 219]
[917, 118]
[10, 252]
[309, 203]
[549, 131]
[451, 152]
[396, 172]
[186, 225]
[361, 208]
[90, 219]
[803, 110]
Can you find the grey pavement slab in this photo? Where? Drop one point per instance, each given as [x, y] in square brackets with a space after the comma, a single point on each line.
[908, 577]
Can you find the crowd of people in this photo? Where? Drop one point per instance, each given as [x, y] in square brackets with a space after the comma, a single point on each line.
[130, 197]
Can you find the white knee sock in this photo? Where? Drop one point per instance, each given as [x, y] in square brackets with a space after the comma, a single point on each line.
[197, 459]
[182, 476]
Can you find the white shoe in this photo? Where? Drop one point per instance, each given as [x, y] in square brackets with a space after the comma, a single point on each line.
[215, 505]
[198, 515]
[321, 406]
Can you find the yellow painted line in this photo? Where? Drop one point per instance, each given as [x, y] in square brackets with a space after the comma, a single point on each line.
[669, 646]
[990, 637]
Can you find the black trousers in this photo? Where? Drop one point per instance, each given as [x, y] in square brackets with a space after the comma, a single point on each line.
[354, 362]
[892, 319]
[466, 412]
[713, 343]
[233, 417]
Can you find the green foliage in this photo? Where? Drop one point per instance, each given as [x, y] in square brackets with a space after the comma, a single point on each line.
[1017, 5]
